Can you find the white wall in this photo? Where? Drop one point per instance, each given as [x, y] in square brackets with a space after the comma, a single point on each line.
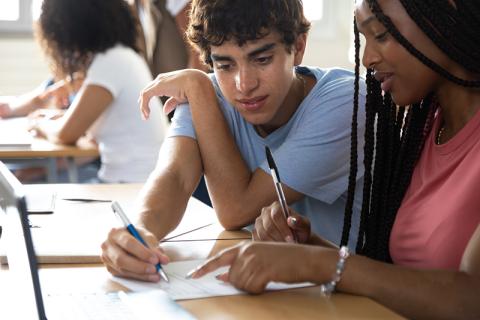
[329, 41]
[22, 67]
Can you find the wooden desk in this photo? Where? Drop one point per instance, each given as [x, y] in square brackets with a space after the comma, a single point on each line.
[71, 220]
[305, 303]
[43, 150]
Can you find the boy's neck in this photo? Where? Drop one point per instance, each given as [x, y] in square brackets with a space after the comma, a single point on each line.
[298, 91]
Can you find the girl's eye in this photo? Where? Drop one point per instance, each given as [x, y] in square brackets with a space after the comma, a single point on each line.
[382, 36]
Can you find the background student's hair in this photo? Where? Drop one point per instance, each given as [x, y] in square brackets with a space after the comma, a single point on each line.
[216, 21]
[391, 152]
[71, 31]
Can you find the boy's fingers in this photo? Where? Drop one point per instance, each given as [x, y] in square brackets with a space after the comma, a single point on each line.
[132, 246]
[170, 105]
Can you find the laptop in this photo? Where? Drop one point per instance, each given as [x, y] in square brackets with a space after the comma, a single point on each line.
[26, 298]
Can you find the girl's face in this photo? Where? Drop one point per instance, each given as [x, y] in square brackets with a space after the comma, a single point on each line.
[406, 78]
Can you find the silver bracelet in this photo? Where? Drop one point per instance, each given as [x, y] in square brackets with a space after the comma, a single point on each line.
[328, 288]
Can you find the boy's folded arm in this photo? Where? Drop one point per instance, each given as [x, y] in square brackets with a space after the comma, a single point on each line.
[237, 193]
[239, 205]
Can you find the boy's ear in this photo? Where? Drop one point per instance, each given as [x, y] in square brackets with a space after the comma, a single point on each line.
[299, 48]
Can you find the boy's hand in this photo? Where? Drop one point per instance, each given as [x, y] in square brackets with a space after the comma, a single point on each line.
[271, 225]
[125, 256]
[177, 85]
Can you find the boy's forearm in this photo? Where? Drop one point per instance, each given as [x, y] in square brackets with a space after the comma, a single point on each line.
[228, 176]
[165, 195]
[162, 204]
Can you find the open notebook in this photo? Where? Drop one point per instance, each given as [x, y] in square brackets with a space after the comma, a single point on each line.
[26, 299]
[14, 134]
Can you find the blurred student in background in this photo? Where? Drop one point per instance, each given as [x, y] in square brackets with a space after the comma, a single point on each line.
[49, 94]
[162, 25]
[96, 40]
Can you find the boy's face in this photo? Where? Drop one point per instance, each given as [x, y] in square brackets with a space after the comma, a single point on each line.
[257, 78]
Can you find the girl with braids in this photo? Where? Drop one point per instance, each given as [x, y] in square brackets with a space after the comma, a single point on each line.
[418, 251]
[95, 40]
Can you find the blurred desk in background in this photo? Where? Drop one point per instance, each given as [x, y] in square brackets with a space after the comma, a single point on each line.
[18, 147]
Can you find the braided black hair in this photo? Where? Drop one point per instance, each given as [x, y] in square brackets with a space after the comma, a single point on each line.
[394, 135]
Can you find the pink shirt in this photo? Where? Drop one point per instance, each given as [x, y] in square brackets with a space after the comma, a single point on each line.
[441, 208]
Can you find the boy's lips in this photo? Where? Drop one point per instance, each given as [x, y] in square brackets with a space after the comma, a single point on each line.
[252, 104]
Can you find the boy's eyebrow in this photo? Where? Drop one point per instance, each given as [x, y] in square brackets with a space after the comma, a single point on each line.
[217, 57]
[262, 49]
[266, 47]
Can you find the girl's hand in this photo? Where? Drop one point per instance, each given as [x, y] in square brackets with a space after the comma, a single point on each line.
[5, 110]
[254, 264]
[60, 92]
[272, 225]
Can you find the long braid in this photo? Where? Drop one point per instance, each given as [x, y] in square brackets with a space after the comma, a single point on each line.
[352, 178]
[377, 182]
[390, 116]
[392, 152]
[367, 161]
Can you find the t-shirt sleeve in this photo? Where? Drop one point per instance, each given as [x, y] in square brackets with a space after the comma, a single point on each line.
[100, 72]
[182, 124]
[315, 157]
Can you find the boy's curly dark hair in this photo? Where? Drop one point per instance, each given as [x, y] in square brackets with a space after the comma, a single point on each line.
[213, 22]
[71, 32]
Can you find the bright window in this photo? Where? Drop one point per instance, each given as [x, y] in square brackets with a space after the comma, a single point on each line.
[323, 14]
[15, 16]
[9, 10]
[313, 9]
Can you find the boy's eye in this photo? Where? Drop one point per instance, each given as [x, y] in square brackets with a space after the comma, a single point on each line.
[223, 66]
[264, 60]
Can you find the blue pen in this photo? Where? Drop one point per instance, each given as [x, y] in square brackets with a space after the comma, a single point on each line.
[123, 217]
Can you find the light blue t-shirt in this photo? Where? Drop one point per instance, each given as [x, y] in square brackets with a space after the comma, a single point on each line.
[312, 150]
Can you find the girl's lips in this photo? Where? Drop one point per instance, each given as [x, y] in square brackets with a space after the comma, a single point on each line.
[387, 84]
[386, 80]
[252, 104]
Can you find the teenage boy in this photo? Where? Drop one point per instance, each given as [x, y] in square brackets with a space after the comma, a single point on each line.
[257, 96]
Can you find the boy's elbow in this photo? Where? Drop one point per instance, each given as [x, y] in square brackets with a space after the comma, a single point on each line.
[230, 225]
[231, 219]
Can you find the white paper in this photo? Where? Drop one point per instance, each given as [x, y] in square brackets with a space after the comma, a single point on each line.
[180, 288]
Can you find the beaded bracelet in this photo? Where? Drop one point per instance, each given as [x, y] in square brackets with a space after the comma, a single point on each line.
[328, 288]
